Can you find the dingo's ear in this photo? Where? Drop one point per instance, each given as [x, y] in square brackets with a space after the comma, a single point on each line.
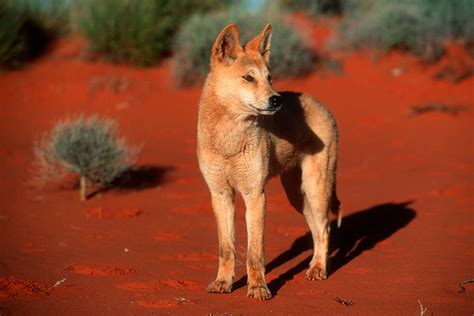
[261, 43]
[227, 45]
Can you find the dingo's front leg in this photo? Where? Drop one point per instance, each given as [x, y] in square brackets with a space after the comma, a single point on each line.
[255, 218]
[224, 211]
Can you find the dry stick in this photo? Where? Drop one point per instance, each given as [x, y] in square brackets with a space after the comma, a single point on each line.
[343, 301]
[83, 188]
[423, 310]
[436, 107]
[461, 285]
[59, 283]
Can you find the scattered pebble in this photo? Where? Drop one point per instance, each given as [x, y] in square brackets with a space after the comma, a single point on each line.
[397, 71]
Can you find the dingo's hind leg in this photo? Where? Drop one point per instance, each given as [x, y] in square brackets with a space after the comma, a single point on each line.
[314, 214]
[318, 187]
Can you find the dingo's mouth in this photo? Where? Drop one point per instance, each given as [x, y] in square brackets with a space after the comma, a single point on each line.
[265, 111]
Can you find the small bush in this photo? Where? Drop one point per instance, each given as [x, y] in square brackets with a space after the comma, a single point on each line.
[450, 19]
[135, 32]
[315, 7]
[26, 30]
[54, 16]
[290, 55]
[12, 38]
[397, 26]
[87, 147]
[416, 26]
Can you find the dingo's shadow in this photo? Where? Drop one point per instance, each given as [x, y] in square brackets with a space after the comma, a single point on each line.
[137, 178]
[359, 232]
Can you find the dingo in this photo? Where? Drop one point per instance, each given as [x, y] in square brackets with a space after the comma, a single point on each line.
[247, 133]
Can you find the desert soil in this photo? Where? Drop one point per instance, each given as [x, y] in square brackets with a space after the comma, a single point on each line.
[150, 247]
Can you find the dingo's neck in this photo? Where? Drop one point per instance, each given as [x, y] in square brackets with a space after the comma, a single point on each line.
[226, 132]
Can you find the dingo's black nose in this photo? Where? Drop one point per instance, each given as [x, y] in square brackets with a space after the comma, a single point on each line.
[275, 101]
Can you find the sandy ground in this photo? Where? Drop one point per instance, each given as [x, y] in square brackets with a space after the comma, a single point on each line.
[149, 247]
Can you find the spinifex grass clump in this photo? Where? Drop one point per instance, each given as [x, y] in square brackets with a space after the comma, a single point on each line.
[137, 32]
[290, 56]
[315, 7]
[87, 147]
[419, 27]
[27, 27]
[12, 39]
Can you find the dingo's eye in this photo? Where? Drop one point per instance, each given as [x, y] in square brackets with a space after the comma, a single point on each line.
[269, 78]
[248, 78]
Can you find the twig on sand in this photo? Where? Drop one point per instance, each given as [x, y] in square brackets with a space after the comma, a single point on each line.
[59, 283]
[454, 110]
[423, 310]
[343, 301]
[461, 285]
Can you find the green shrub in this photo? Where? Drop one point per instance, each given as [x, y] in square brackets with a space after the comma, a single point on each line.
[12, 38]
[290, 55]
[135, 32]
[417, 26]
[394, 25]
[26, 30]
[315, 7]
[451, 19]
[87, 147]
[52, 15]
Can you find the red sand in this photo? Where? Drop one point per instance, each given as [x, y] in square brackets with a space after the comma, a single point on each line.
[99, 270]
[11, 287]
[406, 183]
[99, 212]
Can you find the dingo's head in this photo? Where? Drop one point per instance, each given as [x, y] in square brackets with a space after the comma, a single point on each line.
[241, 75]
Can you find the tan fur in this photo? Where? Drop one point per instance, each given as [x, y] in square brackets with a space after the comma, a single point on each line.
[241, 144]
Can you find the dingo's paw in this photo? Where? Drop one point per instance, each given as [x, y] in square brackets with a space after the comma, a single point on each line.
[219, 287]
[259, 292]
[316, 273]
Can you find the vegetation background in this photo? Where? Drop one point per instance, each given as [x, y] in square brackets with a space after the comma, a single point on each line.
[142, 33]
